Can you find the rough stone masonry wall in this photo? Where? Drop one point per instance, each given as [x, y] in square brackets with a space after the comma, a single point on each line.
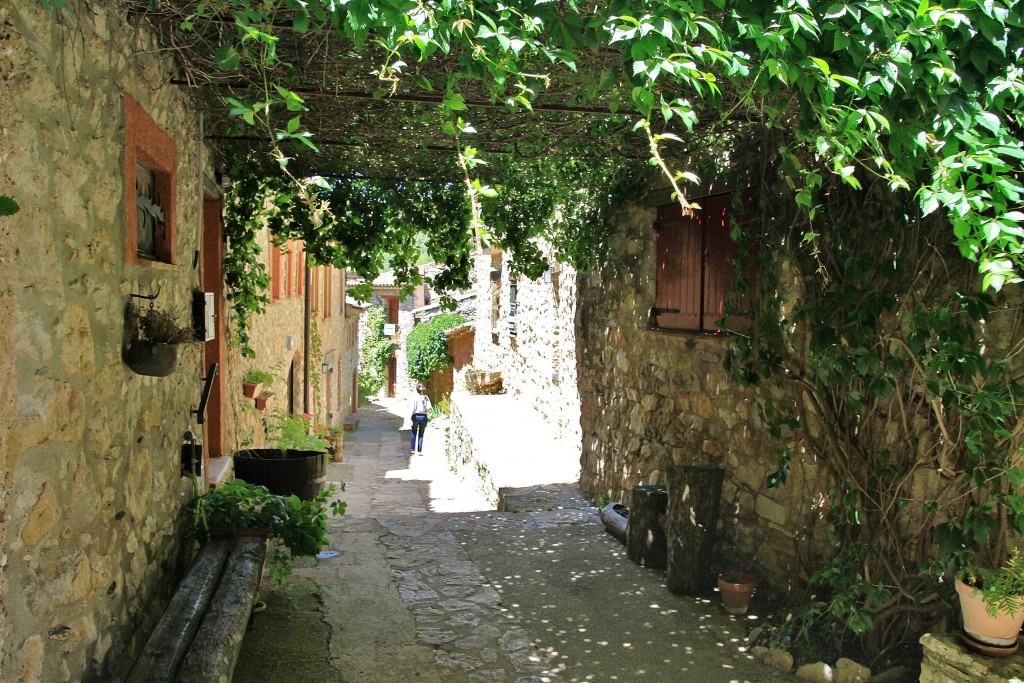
[277, 339]
[650, 399]
[538, 363]
[89, 474]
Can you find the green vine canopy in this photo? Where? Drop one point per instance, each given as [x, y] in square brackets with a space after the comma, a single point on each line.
[925, 97]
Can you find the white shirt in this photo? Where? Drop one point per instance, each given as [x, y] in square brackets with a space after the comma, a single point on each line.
[420, 404]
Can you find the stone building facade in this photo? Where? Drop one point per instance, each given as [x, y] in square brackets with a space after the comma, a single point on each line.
[653, 398]
[279, 339]
[526, 329]
[90, 471]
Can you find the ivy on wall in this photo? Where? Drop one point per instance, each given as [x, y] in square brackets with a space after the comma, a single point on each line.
[374, 352]
[874, 355]
[426, 349]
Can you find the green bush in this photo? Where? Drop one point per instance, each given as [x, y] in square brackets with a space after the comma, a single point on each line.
[442, 408]
[426, 350]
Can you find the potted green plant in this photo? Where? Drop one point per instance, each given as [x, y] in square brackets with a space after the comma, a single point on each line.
[295, 464]
[297, 527]
[153, 339]
[992, 605]
[253, 380]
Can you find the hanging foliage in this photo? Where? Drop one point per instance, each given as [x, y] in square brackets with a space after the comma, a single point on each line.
[874, 356]
[426, 349]
[375, 351]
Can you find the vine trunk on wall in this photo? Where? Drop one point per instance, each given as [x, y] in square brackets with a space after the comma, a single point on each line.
[877, 356]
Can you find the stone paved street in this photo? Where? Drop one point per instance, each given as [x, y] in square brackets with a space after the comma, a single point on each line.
[431, 584]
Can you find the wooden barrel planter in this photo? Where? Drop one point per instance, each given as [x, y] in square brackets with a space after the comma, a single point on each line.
[302, 473]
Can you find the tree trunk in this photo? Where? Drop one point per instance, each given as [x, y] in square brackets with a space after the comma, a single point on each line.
[615, 517]
[215, 649]
[173, 634]
[694, 497]
[645, 538]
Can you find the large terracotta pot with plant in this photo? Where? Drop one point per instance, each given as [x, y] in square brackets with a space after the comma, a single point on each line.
[992, 606]
[253, 380]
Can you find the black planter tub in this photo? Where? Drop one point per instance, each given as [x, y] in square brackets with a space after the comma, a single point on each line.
[302, 473]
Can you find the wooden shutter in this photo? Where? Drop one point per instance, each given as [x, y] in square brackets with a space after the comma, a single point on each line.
[719, 250]
[328, 290]
[678, 245]
[392, 309]
[275, 272]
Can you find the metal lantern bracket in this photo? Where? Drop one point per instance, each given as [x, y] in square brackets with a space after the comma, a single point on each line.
[147, 297]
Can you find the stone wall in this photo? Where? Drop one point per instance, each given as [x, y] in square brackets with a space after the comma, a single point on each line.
[652, 398]
[538, 362]
[89, 451]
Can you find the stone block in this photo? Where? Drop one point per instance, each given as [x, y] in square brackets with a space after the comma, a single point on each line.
[770, 510]
[849, 671]
[946, 658]
[817, 672]
[780, 660]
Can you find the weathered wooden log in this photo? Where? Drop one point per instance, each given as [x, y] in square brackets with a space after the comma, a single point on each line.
[170, 640]
[214, 651]
[645, 537]
[615, 517]
[694, 498]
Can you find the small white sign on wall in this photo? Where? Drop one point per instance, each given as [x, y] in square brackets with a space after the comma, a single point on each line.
[390, 329]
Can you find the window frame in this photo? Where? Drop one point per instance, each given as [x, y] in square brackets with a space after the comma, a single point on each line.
[146, 144]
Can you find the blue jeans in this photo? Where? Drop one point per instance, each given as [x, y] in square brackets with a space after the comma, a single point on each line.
[419, 425]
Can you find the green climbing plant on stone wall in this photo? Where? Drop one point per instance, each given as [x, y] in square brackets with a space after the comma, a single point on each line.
[426, 349]
[374, 352]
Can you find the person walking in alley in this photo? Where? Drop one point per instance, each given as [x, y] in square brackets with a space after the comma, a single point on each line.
[420, 408]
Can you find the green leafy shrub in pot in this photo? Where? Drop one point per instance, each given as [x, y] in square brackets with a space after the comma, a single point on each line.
[298, 527]
[1002, 588]
[155, 326]
[258, 377]
[297, 433]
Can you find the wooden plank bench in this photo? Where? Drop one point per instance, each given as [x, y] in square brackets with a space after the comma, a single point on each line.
[199, 636]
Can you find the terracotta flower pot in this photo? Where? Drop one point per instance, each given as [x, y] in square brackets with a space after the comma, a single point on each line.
[736, 589]
[261, 401]
[996, 636]
[249, 389]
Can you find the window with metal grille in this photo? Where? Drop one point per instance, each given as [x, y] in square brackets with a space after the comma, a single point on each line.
[694, 259]
[150, 182]
[150, 217]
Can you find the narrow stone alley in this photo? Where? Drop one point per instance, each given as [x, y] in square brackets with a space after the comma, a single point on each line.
[430, 583]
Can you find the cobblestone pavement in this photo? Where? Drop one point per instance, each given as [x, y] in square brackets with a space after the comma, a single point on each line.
[431, 585]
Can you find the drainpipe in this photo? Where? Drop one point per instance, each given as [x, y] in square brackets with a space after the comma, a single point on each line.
[306, 326]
